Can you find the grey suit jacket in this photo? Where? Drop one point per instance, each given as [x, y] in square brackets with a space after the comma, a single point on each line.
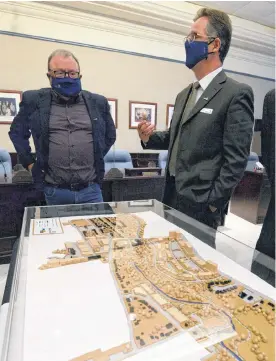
[214, 144]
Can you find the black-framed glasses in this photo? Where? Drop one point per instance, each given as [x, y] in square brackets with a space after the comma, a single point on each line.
[195, 36]
[63, 74]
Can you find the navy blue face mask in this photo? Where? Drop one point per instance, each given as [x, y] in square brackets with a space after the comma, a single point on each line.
[195, 52]
[67, 87]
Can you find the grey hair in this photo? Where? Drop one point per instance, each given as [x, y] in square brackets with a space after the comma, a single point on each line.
[64, 54]
[219, 26]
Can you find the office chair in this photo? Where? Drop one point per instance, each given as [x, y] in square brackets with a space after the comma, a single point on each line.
[5, 166]
[120, 159]
[162, 159]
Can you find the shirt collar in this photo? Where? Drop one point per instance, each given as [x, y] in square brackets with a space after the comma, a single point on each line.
[60, 99]
[204, 82]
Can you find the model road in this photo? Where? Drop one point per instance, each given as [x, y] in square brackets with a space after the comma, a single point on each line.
[159, 308]
[192, 302]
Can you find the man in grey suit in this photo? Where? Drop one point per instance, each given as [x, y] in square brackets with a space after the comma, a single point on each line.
[211, 130]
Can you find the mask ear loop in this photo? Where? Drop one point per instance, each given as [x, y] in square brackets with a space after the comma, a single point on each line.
[211, 52]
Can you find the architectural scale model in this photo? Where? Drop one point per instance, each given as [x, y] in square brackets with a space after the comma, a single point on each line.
[168, 289]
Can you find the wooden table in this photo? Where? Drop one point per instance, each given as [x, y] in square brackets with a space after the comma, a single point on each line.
[251, 197]
[136, 188]
[14, 197]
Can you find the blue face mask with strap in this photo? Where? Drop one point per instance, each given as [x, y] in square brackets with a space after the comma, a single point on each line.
[196, 51]
[66, 86]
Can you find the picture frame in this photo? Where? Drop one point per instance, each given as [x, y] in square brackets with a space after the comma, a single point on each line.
[113, 103]
[169, 115]
[139, 111]
[9, 105]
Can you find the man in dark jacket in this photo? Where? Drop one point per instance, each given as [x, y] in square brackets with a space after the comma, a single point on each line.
[211, 130]
[266, 242]
[72, 131]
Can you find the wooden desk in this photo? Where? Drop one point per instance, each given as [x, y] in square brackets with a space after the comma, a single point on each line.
[251, 197]
[14, 197]
[137, 188]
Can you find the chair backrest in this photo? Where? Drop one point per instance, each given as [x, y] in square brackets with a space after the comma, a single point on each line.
[162, 159]
[253, 163]
[5, 165]
[253, 157]
[117, 159]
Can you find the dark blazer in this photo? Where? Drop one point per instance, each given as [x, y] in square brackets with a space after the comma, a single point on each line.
[266, 241]
[268, 135]
[213, 148]
[33, 119]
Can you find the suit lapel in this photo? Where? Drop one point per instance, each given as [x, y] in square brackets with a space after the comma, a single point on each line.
[44, 106]
[92, 111]
[214, 87]
[179, 109]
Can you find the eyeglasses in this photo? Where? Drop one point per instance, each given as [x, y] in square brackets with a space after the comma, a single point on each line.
[62, 74]
[194, 37]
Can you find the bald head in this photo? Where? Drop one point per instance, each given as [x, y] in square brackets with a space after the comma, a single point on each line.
[63, 60]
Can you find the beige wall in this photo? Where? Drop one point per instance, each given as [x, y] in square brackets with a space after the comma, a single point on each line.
[24, 64]
[112, 74]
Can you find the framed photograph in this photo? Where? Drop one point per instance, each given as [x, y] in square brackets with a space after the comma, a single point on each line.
[113, 103]
[9, 105]
[170, 109]
[139, 111]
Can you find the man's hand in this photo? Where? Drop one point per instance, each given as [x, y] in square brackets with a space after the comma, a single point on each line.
[145, 130]
[30, 166]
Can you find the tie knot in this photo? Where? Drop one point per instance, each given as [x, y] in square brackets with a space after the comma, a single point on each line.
[196, 85]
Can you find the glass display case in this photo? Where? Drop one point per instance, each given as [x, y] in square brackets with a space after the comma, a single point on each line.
[134, 280]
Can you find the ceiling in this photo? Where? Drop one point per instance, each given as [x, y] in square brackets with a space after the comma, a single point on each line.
[175, 17]
[262, 12]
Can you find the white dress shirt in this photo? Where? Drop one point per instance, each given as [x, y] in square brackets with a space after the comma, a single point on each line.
[204, 82]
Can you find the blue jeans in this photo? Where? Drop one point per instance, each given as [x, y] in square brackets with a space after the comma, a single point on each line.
[60, 196]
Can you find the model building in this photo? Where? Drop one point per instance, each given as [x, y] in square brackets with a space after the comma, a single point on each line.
[167, 288]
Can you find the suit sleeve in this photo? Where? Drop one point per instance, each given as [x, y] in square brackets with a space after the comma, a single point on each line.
[110, 134]
[238, 132]
[20, 133]
[159, 140]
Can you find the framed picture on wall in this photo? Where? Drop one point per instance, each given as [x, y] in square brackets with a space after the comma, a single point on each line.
[9, 105]
[140, 111]
[170, 109]
[113, 103]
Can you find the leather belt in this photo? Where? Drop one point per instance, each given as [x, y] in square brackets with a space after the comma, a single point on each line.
[72, 187]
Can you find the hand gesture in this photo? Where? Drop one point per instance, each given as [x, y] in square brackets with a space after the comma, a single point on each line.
[145, 130]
